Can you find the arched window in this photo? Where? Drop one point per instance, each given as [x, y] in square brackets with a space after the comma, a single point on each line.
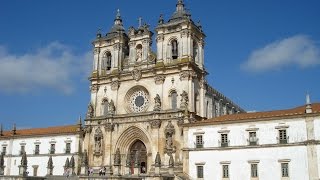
[174, 49]
[195, 52]
[107, 60]
[174, 97]
[105, 106]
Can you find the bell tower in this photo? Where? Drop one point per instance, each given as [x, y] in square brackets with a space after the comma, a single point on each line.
[180, 39]
[110, 50]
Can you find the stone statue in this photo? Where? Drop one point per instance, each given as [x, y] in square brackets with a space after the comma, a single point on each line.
[117, 158]
[184, 100]
[90, 112]
[169, 132]
[139, 54]
[85, 158]
[98, 145]
[157, 103]
[112, 107]
[24, 161]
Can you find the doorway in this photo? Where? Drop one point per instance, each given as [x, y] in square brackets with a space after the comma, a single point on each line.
[138, 147]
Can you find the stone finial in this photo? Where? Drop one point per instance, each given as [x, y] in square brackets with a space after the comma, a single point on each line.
[14, 129]
[72, 162]
[157, 160]
[79, 121]
[117, 158]
[118, 20]
[161, 20]
[84, 161]
[67, 164]
[171, 161]
[50, 163]
[24, 161]
[308, 104]
[99, 34]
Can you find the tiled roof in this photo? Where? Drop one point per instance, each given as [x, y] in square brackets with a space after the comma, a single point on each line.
[262, 115]
[43, 131]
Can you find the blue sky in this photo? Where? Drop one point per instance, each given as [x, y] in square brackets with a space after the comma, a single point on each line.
[264, 55]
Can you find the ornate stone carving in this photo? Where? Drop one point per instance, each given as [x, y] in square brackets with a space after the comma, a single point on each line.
[24, 161]
[109, 127]
[117, 158]
[155, 124]
[137, 159]
[184, 100]
[87, 129]
[115, 85]
[98, 136]
[203, 83]
[112, 107]
[159, 79]
[169, 132]
[50, 164]
[171, 161]
[94, 88]
[90, 111]
[72, 165]
[136, 74]
[96, 51]
[157, 161]
[67, 163]
[157, 103]
[85, 160]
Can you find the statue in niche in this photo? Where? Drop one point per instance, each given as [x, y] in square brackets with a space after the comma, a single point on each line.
[98, 140]
[157, 103]
[139, 53]
[184, 100]
[90, 111]
[98, 145]
[112, 107]
[169, 132]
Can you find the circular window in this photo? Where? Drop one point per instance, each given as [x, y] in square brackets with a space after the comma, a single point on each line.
[137, 99]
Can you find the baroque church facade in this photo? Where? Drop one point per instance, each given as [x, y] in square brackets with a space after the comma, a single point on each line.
[141, 99]
[153, 116]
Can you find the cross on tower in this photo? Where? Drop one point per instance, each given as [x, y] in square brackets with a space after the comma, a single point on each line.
[140, 21]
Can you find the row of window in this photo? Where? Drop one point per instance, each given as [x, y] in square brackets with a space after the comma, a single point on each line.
[52, 149]
[253, 170]
[252, 141]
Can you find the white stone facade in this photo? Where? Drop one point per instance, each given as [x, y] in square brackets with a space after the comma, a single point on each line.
[300, 151]
[38, 148]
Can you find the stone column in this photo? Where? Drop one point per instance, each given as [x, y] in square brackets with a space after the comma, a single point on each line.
[311, 149]
[137, 163]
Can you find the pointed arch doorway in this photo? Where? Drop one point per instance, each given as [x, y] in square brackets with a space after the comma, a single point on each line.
[138, 154]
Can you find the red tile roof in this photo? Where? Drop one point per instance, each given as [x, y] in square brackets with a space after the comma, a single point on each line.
[262, 115]
[43, 131]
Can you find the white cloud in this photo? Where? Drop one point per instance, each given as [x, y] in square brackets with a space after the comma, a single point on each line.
[52, 66]
[297, 50]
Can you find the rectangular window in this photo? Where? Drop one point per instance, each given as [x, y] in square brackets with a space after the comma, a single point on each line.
[254, 170]
[4, 150]
[224, 140]
[283, 136]
[285, 169]
[68, 148]
[252, 138]
[37, 149]
[22, 149]
[225, 171]
[199, 171]
[199, 142]
[52, 148]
